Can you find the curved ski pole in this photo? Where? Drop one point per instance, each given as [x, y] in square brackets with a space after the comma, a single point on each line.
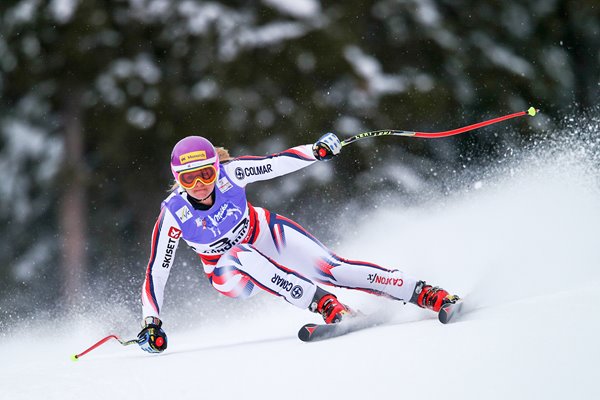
[75, 357]
[431, 135]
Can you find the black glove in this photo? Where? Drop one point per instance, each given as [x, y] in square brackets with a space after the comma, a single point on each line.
[152, 338]
[327, 146]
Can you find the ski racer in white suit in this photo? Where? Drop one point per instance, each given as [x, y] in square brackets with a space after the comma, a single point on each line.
[246, 249]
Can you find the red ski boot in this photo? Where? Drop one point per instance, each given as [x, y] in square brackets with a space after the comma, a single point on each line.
[329, 307]
[432, 298]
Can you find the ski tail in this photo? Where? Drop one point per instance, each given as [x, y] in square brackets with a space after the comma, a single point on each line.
[305, 333]
[316, 332]
[450, 312]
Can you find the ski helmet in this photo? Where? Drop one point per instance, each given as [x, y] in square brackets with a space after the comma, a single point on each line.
[193, 152]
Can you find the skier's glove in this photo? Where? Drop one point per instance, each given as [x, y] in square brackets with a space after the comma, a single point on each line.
[327, 147]
[152, 338]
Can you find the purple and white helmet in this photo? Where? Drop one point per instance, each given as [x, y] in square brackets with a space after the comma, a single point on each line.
[193, 152]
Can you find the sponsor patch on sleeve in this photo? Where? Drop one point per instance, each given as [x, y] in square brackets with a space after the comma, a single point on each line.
[224, 185]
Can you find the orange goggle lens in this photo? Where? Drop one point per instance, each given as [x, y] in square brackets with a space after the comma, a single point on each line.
[206, 175]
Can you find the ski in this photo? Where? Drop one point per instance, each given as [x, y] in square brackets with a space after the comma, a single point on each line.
[450, 312]
[316, 332]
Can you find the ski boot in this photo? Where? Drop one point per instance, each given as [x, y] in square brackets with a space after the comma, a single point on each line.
[329, 307]
[432, 298]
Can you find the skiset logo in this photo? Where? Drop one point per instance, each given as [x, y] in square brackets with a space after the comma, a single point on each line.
[174, 232]
[241, 173]
[169, 253]
[375, 278]
[296, 291]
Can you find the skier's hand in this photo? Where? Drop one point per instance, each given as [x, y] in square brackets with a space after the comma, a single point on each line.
[152, 338]
[327, 147]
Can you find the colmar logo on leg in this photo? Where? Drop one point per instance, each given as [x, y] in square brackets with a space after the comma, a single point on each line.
[295, 290]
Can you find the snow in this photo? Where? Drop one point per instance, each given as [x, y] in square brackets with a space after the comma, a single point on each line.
[427, 13]
[522, 248]
[24, 142]
[296, 8]
[502, 56]
[370, 69]
[236, 28]
[23, 12]
[272, 33]
[63, 10]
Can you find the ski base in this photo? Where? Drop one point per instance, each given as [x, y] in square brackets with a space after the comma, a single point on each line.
[316, 332]
[450, 312]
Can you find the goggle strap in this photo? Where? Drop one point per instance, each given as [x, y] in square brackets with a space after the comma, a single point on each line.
[195, 165]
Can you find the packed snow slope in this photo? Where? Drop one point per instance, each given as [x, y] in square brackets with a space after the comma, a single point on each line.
[522, 246]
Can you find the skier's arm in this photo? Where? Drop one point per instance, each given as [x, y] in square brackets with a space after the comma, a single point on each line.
[248, 169]
[165, 238]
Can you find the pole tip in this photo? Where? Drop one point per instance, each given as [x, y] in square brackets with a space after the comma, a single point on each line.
[532, 111]
[74, 357]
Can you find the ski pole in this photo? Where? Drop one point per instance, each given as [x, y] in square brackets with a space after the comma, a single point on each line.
[75, 357]
[431, 135]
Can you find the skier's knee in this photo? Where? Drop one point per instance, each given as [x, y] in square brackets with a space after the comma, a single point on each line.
[241, 257]
[228, 280]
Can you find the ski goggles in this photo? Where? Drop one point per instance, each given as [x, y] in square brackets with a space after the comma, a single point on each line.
[206, 175]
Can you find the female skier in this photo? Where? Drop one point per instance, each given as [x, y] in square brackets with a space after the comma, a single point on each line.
[246, 249]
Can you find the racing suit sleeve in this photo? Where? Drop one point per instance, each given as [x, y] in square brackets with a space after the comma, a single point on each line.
[165, 239]
[248, 169]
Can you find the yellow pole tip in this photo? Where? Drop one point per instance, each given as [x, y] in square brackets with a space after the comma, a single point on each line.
[74, 357]
[532, 111]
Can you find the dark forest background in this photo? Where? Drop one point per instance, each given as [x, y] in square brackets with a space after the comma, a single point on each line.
[94, 94]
